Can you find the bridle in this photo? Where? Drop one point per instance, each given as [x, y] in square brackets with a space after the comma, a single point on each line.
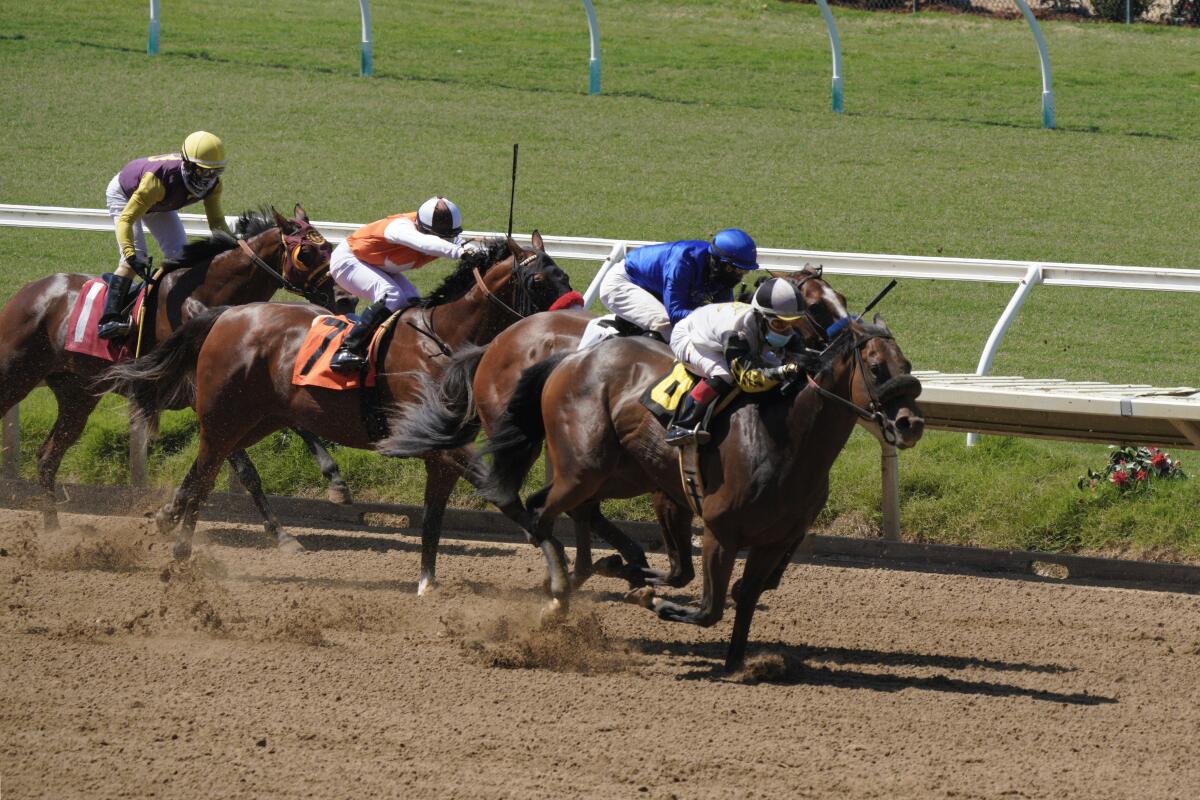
[291, 246]
[490, 295]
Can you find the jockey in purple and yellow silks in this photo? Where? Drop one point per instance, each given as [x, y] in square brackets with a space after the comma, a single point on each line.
[148, 192]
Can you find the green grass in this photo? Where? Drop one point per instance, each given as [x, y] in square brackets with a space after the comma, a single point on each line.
[713, 114]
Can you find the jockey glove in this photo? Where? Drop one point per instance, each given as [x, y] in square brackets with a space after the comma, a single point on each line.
[139, 264]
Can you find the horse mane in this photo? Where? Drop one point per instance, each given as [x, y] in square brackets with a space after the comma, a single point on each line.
[460, 281]
[202, 251]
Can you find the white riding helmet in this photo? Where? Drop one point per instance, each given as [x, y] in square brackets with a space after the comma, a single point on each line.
[439, 216]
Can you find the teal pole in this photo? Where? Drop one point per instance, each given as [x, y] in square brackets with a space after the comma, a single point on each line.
[594, 57]
[835, 44]
[1047, 89]
[152, 30]
[365, 68]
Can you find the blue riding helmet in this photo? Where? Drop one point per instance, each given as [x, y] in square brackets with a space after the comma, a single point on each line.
[735, 246]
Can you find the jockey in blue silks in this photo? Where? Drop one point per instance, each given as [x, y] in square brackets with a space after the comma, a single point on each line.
[657, 286]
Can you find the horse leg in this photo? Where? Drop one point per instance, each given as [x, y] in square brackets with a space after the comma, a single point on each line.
[583, 568]
[338, 491]
[717, 560]
[676, 523]
[75, 404]
[762, 563]
[441, 473]
[775, 577]
[631, 564]
[193, 491]
[248, 476]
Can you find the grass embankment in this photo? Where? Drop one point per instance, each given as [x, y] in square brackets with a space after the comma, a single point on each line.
[712, 114]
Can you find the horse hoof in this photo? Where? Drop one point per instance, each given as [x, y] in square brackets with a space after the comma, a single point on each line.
[643, 597]
[610, 567]
[289, 544]
[340, 494]
[554, 610]
[165, 522]
[426, 584]
[182, 551]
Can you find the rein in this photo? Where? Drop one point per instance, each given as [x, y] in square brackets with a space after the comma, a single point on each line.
[263, 265]
[491, 295]
[874, 410]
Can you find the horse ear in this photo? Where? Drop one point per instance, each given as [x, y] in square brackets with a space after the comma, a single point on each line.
[299, 213]
[878, 320]
[283, 222]
[537, 241]
[515, 248]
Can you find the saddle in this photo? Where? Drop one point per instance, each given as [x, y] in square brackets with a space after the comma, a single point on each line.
[664, 398]
[611, 326]
[324, 337]
[85, 314]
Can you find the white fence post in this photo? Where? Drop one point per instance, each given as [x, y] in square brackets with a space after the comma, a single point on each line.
[594, 48]
[891, 491]
[366, 68]
[1044, 57]
[593, 291]
[835, 44]
[1032, 278]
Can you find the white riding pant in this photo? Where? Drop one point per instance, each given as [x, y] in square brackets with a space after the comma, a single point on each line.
[627, 300]
[701, 360]
[165, 227]
[367, 282]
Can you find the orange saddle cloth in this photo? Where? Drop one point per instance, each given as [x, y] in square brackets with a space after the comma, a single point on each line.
[325, 336]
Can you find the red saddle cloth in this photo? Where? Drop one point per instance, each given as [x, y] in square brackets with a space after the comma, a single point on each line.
[85, 317]
[325, 336]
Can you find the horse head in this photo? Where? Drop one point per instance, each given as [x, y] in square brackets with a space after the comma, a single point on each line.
[882, 384]
[539, 284]
[305, 258]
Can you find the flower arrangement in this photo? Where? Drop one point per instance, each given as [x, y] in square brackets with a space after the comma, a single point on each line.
[1132, 469]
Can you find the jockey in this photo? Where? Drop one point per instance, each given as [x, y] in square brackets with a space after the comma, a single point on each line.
[657, 286]
[371, 262]
[149, 192]
[734, 344]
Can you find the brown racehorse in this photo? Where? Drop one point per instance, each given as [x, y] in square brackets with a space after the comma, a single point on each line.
[242, 358]
[477, 384]
[765, 473]
[213, 271]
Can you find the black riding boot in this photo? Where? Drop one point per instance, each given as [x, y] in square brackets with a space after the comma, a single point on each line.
[115, 323]
[352, 355]
[689, 426]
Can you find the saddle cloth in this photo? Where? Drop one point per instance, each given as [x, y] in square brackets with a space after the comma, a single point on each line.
[85, 316]
[665, 396]
[325, 336]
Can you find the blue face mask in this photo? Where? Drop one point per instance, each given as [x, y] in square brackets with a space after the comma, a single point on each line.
[777, 339]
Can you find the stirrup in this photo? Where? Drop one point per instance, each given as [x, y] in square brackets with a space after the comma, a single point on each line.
[678, 436]
[347, 361]
[116, 328]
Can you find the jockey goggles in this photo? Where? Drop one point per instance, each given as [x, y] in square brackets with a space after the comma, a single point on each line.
[781, 324]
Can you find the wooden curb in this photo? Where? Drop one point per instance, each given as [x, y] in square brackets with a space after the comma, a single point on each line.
[492, 526]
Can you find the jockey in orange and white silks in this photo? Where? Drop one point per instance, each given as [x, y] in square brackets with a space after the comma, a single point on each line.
[148, 193]
[749, 345]
[371, 264]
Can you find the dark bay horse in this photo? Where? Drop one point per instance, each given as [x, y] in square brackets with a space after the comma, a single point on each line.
[239, 361]
[765, 473]
[474, 390]
[211, 272]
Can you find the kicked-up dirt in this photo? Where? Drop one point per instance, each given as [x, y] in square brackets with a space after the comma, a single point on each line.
[248, 673]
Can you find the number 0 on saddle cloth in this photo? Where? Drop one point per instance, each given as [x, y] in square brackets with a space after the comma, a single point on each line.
[324, 337]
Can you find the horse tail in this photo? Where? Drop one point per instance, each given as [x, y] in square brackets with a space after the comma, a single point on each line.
[165, 378]
[444, 415]
[517, 439]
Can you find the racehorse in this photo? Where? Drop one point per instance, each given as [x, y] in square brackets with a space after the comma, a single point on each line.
[212, 271]
[765, 472]
[475, 388]
[235, 367]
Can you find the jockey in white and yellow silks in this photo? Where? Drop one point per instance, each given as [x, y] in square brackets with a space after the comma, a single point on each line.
[148, 193]
[371, 262]
[749, 345]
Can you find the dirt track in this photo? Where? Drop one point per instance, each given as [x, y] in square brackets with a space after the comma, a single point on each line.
[250, 674]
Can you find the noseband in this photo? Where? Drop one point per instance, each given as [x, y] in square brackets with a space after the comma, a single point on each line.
[894, 387]
[291, 245]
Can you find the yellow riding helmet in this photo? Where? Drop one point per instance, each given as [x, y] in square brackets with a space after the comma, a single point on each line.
[205, 150]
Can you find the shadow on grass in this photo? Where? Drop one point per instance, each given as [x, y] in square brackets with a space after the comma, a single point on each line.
[707, 659]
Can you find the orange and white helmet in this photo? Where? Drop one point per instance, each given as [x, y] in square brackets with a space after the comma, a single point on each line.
[439, 216]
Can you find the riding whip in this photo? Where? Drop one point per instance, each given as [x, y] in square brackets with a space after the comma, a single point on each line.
[512, 198]
[878, 297]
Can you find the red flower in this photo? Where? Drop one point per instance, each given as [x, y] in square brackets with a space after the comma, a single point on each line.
[1158, 460]
[1120, 477]
[1141, 475]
